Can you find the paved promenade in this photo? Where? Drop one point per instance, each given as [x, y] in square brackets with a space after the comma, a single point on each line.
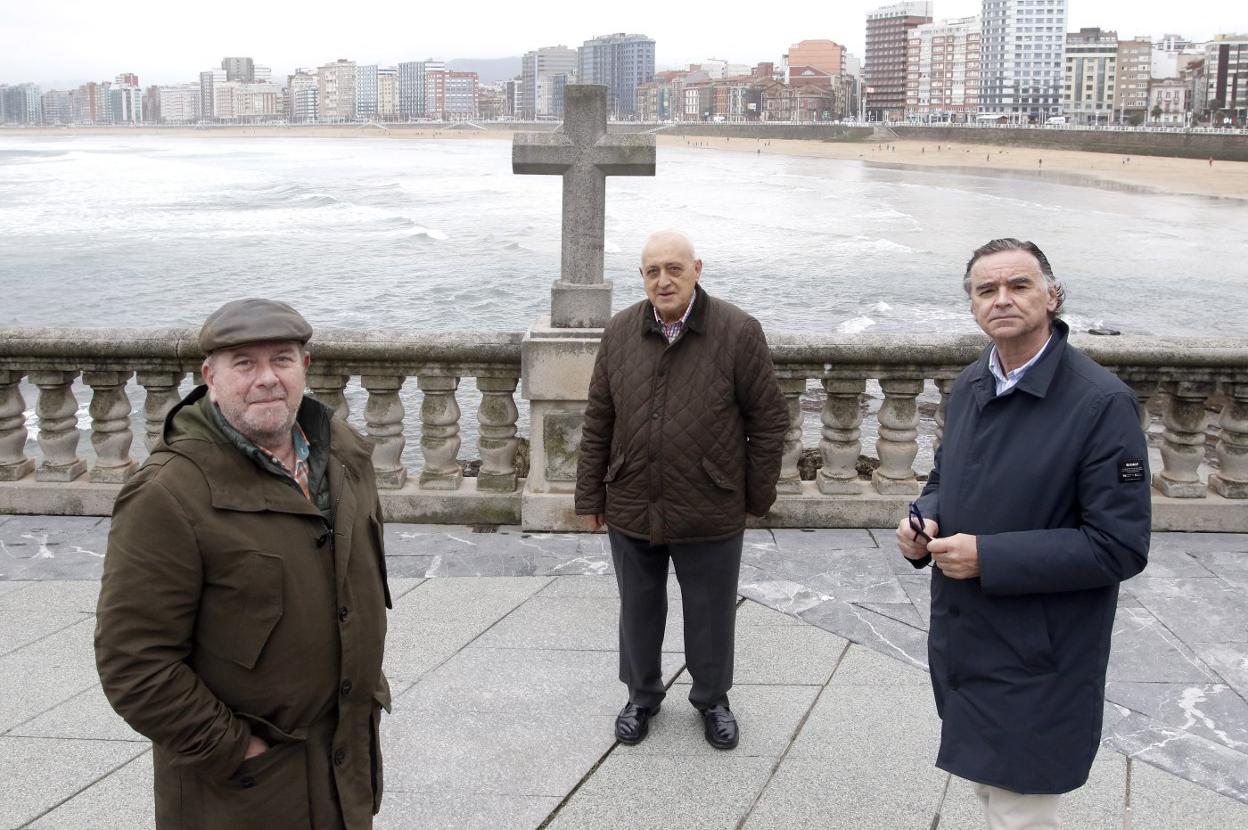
[502, 659]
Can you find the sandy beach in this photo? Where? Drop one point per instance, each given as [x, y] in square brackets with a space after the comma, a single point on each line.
[1226, 179]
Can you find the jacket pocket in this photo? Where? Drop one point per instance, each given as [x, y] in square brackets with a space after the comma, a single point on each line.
[381, 700]
[613, 470]
[268, 790]
[717, 475]
[238, 616]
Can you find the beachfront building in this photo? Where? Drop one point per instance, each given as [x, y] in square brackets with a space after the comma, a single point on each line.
[208, 80]
[1169, 102]
[413, 86]
[242, 70]
[942, 71]
[336, 91]
[21, 104]
[1225, 86]
[366, 92]
[125, 104]
[1023, 49]
[1091, 76]
[825, 55]
[302, 97]
[538, 71]
[179, 104]
[451, 96]
[56, 107]
[1135, 71]
[1171, 53]
[388, 93]
[888, 33]
[621, 62]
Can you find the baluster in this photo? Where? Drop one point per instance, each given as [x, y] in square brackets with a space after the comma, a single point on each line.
[327, 387]
[1231, 480]
[58, 426]
[1144, 389]
[439, 433]
[1183, 442]
[945, 385]
[110, 426]
[14, 463]
[383, 418]
[841, 442]
[790, 478]
[897, 445]
[162, 395]
[496, 419]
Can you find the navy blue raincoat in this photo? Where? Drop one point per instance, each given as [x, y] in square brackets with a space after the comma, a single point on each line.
[1052, 480]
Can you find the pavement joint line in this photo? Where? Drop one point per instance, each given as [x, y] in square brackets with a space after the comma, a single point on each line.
[758, 796]
[85, 616]
[1126, 807]
[940, 805]
[394, 598]
[87, 786]
[859, 605]
[139, 740]
[9, 732]
[871, 533]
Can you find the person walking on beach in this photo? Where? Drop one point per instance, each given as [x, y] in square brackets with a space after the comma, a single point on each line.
[682, 440]
[1037, 508]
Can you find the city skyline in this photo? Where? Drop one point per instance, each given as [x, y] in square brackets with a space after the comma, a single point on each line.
[105, 44]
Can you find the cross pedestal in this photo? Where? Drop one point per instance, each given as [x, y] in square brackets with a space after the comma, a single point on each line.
[557, 355]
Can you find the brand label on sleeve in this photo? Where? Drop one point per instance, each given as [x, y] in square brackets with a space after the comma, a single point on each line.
[1129, 471]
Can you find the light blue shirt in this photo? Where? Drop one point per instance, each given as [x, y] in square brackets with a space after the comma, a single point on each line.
[1006, 382]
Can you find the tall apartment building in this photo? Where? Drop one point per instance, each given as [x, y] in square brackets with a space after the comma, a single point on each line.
[413, 91]
[207, 97]
[1090, 80]
[336, 91]
[451, 96]
[388, 93]
[888, 33]
[1135, 71]
[242, 70]
[621, 62]
[151, 105]
[942, 70]
[824, 55]
[538, 70]
[366, 91]
[90, 103]
[303, 97]
[179, 104]
[56, 107]
[21, 104]
[1023, 49]
[126, 104]
[1225, 87]
[1170, 53]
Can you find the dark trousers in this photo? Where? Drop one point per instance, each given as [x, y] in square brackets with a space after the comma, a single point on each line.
[708, 574]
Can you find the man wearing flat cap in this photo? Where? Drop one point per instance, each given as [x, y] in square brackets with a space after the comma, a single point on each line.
[242, 612]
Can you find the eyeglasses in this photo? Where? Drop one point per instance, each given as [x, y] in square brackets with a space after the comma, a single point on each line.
[916, 522]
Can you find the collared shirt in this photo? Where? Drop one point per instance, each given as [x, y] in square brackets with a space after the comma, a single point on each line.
[266, 460]
[302, 450]
[672, 331]
[1007, 381]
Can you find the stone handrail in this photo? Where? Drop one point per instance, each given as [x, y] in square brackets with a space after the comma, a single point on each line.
[1186, 373]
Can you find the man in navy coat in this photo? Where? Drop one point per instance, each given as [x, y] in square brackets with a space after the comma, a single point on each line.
[1038, 507]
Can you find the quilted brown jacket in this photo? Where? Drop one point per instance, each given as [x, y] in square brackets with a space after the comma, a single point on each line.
[680, 442]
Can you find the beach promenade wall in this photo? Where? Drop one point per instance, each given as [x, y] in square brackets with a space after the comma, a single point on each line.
[1197, 145]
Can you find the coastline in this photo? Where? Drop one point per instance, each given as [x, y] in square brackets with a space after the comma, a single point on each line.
[1149, 174]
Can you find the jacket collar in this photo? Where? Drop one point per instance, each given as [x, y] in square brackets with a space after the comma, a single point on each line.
[1038, 378]
[697, 319]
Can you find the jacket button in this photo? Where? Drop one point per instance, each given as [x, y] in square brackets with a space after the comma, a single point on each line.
[343, 614]
[955, 611]
[654, 416]
[247, 782]
[340, 755]
[346, 688]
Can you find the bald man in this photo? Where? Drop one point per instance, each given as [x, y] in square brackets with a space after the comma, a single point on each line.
[682, 440]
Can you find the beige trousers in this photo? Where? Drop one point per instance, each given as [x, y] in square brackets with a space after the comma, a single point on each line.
[1008, 810]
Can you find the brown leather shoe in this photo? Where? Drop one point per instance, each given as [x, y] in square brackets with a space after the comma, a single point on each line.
[633, 723]
[721, 727]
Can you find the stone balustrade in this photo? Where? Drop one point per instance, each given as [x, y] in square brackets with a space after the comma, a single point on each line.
[834, 370]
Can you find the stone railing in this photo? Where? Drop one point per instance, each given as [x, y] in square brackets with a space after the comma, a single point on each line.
[1183, 374]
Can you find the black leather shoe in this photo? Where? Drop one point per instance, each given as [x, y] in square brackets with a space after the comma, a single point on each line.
[721, 727]
[633, 723]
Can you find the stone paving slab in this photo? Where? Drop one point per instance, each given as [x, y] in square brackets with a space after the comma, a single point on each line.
[87, 715]
[1160, 801]
[40, 773]
[122, 800]
[675, 793]
[42, 675]
[463, 810]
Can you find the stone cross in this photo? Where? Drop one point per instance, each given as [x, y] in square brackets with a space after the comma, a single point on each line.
[584, 154]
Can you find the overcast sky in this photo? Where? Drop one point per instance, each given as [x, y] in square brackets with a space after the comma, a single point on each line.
[59, 43]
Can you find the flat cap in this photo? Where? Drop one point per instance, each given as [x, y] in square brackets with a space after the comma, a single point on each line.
[252, 320]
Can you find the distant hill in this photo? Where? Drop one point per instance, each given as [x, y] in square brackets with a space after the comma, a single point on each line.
[491, 70]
